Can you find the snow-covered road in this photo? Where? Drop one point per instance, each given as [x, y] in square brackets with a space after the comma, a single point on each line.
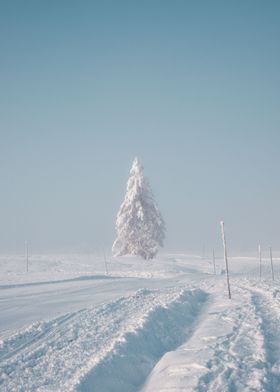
[162, 326]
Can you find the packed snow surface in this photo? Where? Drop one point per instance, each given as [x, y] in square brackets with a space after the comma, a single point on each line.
[73, 324]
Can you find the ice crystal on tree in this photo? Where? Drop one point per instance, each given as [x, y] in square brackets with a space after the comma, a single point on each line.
[140, 226]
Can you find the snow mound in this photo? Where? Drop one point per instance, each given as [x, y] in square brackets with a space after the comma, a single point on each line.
[162, 330]
[123, 338]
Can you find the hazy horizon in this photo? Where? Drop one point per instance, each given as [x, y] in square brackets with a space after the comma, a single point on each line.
[191, 88]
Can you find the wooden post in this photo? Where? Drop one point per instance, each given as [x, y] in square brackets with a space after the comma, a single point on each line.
[271, 263]
[260, 259]
[214, 262]
[225, 257]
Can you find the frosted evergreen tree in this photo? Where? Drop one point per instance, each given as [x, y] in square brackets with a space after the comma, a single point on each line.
[140, 226]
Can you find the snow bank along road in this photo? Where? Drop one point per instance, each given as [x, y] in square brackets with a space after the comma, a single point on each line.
[171, 329]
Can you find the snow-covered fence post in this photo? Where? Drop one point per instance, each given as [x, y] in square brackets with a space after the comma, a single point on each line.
[214, 262]
[26, 256]
[260, 259]
[271, 263]
[225, 257]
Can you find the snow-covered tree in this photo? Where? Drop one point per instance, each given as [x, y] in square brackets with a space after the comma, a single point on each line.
[140, 226]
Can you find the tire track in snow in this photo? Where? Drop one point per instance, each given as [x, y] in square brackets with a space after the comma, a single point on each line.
[55, 355]
[59, 281]
[268, 310]
[27, 340]
[248, 359]
[238, 358]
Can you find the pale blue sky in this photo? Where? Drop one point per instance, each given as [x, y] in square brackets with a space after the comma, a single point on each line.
[190, 87]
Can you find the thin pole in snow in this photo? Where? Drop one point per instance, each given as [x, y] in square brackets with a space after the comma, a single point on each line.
[26, 256]
[271, 263]
[225, 257]
[260, 259]
[105, 262]
[214, 262]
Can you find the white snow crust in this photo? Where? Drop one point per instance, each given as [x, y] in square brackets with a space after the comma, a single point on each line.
[157, 325]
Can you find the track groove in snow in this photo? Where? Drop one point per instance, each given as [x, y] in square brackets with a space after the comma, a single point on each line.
[238, 358]
[226, 352]
[72, 351]
[248, 359]
[58, 281]
[27, 340]
[268, 311]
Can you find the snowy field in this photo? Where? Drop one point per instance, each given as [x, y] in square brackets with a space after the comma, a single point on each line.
[150, 326]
